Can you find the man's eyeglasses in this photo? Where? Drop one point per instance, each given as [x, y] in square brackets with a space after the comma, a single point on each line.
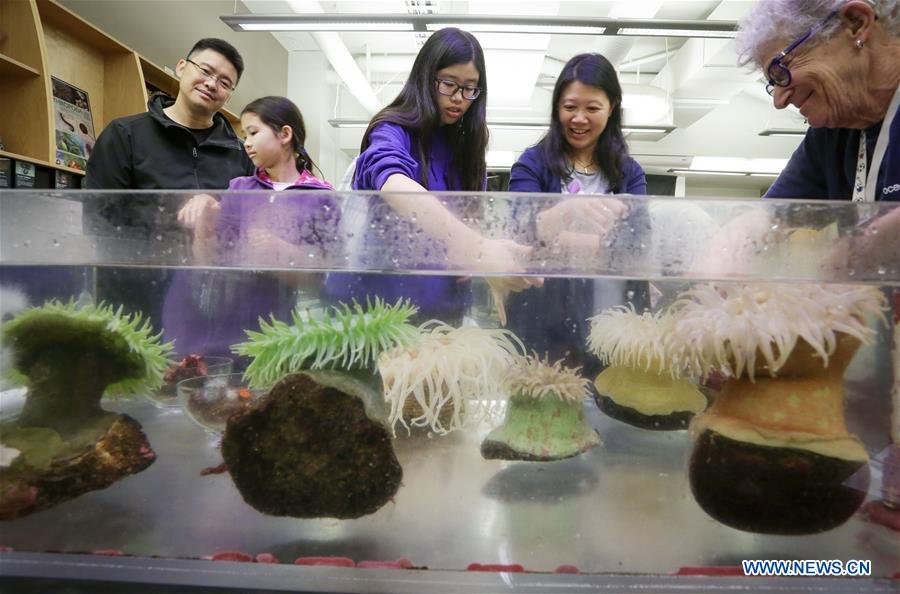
[779, 74]
[208, 74]
[449, 88]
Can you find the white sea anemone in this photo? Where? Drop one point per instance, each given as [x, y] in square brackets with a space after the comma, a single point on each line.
[454, 367]
[621, 337]
[536, 378]
[727, 324]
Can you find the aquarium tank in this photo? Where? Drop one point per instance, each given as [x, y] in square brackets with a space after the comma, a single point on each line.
[312, 391]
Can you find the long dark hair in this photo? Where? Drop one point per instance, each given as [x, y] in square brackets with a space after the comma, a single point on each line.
[277, 112]
[415, 108]
[611, 150]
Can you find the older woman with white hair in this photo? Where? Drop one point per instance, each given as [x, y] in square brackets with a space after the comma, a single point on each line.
[838, 62]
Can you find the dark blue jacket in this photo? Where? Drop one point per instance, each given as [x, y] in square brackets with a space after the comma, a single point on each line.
[553, 320]
[532, 173]
[824, 165]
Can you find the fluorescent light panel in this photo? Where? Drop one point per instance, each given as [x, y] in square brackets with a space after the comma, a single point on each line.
[682, 171]
[634, 130]
[709, 172]
[512, 28]
[530, 25]
[645, 32]
[328, 26]
[783, 132]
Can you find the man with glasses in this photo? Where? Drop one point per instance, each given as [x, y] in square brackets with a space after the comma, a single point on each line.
[180, 143]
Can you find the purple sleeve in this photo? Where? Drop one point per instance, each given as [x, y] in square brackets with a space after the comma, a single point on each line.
[634, 181]
[389, 152]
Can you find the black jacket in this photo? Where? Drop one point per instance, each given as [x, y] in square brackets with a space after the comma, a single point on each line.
[149, 151]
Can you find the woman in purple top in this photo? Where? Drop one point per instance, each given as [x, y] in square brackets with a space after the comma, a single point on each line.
[583, 154]
[432, 137]
[207, 311]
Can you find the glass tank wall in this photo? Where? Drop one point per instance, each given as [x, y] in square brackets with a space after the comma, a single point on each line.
[528, 395]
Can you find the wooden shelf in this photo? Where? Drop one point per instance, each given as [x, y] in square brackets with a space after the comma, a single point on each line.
[40, 162]
[158, 77]
[68, 169]
[45, 40]
[62, 18]
[12, 67]
[24, 86]
[21, 43]
[26, 158]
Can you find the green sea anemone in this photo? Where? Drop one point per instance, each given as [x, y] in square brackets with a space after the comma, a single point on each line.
[544, 416]
[70, 355]
[350, 338]
[136, 359]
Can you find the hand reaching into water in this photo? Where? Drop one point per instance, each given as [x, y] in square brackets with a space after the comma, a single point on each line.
[873, 251]
[593, 216]
[202, 216]
[503, 255]
[195, 208]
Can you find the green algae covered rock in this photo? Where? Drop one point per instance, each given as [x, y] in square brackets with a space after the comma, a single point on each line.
[317, 444]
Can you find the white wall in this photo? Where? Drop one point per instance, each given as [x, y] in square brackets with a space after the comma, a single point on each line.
[307, 86]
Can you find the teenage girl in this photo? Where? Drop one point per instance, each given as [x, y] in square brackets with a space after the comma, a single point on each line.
[432, 137]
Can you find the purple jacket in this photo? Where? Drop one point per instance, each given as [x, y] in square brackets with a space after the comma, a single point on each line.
[393, 149]
[206, 311]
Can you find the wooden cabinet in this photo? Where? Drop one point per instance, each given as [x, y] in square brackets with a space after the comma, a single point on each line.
[40, 39]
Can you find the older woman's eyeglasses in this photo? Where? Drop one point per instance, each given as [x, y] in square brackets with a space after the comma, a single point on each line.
[208, 74]
[449, 88]
[779, 74]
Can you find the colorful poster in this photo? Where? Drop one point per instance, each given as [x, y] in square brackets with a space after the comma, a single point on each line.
[73, 124]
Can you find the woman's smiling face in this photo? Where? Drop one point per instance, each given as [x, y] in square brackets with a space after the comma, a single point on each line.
[829, 84]
[584, 111]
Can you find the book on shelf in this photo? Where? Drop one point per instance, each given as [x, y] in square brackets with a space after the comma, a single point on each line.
[5, 172]
[73, 125]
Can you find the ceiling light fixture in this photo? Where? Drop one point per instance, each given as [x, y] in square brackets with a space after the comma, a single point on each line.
[423, 23]
[509, 125]
[520, 28]
[783, 132]
[328, 26]
[681, 32]
[683, 171]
